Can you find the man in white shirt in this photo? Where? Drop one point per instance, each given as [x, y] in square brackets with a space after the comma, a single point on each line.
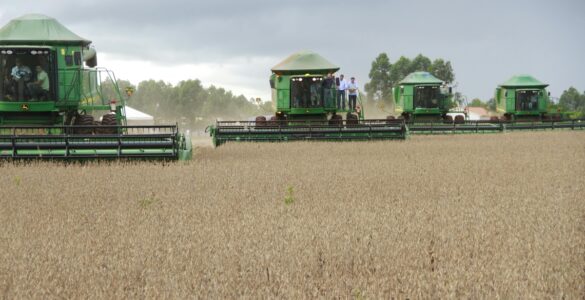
[341, 87]
[19, 71]
[352, 87]
[40, 87]
[20, 75]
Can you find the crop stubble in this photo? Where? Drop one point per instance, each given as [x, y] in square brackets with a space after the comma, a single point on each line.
[435, 216]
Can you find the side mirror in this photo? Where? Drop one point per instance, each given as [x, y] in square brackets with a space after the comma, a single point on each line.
[450, 90]
[549, 93]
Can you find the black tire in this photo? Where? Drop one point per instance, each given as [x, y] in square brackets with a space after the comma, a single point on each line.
[459, 119]
[260, 121]
[336, 120]
[108, 120]
[84, 120]
[352, 119]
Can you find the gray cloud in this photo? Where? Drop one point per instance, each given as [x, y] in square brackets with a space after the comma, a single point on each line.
[487, 42]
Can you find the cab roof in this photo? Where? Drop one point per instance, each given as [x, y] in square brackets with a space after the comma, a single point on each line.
[38, 29]
[304, 62]
[420, 78]
[523, 81]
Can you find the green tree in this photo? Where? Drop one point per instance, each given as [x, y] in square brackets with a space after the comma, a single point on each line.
[109, 92]
[151, 97]
[477, 103]
[491, 104]
[572, 100]
[380, 87]
[420, 63]
[458, 100]
[442, 70]
[400, 69]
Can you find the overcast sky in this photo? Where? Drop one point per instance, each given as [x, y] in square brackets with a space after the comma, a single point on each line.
[233, 44]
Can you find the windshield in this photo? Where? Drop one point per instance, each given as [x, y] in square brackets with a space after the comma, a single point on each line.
[527, 100]
[426, 97]
[306, 91]
[27, 74]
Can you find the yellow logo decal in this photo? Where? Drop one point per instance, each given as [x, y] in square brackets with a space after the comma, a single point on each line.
[129, 91]
[24, 107]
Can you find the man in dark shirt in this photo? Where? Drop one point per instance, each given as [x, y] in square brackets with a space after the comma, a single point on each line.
[327, 89]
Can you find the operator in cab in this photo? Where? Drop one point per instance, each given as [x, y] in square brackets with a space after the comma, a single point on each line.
[39, 89]
[20, 75]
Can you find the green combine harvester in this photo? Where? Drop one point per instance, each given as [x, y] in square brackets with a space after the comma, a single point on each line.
[424, 102]
[522, 97]
[52, 105]
[421, 97]
[305, 94]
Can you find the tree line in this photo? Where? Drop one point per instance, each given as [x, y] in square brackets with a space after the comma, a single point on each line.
[572, 101]
[188, 102]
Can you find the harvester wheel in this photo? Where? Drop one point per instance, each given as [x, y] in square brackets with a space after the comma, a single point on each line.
[459, 119]
[261, 121]
[84, 120]
[273, 121]
[336, 120]
[448, 119]
[390, 119]
[108, 120]
[352, 119]
[551, 117]
[494, 119]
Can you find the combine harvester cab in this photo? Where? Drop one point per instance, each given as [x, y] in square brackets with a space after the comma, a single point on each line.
[52, 106]
[304, 94]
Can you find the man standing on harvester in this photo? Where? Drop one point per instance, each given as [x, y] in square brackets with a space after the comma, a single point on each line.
[341, 87]
[352, 88]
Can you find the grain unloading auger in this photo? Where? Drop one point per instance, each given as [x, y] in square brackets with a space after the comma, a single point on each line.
[50, 103]
[304, 93]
